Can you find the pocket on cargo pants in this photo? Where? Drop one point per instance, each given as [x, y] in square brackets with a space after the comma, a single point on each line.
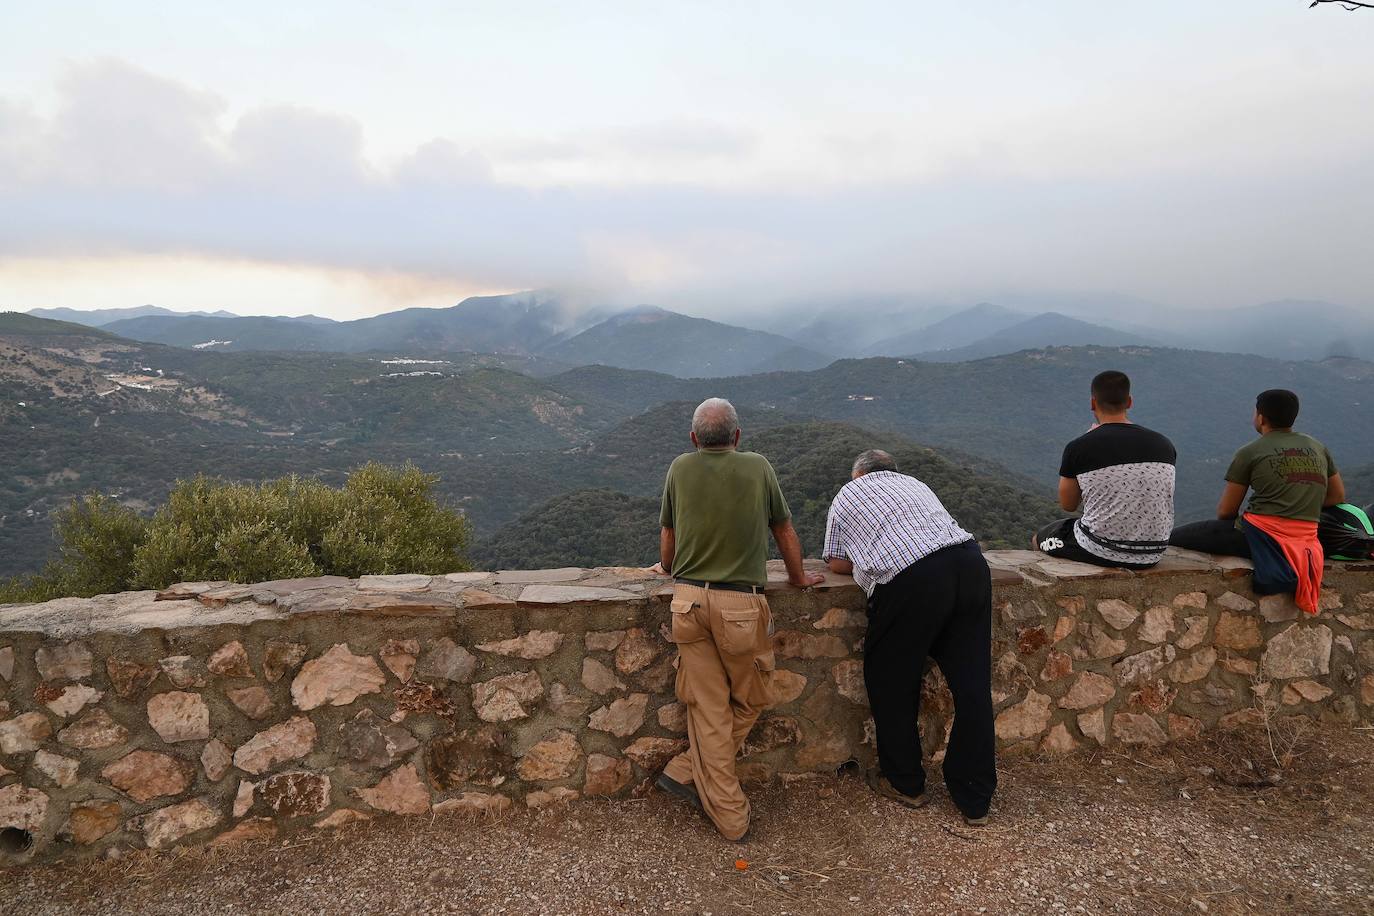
[739, 630]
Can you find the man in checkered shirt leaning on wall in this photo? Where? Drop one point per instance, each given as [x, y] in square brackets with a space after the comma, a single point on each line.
[929, 594]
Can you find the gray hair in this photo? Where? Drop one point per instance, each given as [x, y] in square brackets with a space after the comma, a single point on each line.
[875, 459]
[714, 422]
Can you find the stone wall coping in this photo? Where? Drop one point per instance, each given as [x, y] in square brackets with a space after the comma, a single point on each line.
[212, 604]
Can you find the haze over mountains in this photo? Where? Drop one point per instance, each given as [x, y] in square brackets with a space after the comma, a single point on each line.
[84, 410]
[557, 331]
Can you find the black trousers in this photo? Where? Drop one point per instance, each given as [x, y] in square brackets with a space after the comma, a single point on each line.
[941, 607]
[1219, 536]
[1057, 539]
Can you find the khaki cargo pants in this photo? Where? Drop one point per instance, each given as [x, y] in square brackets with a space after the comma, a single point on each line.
[724, 678]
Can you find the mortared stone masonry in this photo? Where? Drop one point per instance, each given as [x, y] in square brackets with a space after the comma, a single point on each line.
[220, 713]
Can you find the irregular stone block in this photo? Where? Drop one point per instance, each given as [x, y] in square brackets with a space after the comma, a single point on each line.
[1357, 621]
[89, 822]
[623, 717]
[163, 827]
[555, 757]
[1183, 727]
[1030, 640]
[373, 741]
[399, 792]
[92, 731]
[771, 732]
[399, 656]
[1299, 651]
[1212, 695]
[178, 716]
[129, 678]
[475, 755]
[6, 663]
[504, 698]
[404, 582]
[284, 741]
[837, 618]
[572, 594]
[1159, 623]
[184, 671]
[296, 793]
[794, 644]
[1233, 602]
[597, 678]
[474, 804]
[280, 657]
[1194, 667]
[1089, 690]
[1143, 665]
[73, 698]
[1137, 728]
[1094, 725]
[1304, 691]
[1063, 628]
[1154, 697]
[1026, 719]
[1275, 608]
[342, 818]
[1117, 613]
[636, 651]
[145, 775]
[61, 770]
[70, 662]
[254, 702]
[1059, 742]
[1057, 665]
[1243, 717]
[1194, 632]
[230, 660]
[215, 759]
[336, 678]
[1097, 643]
[243, 797]
[24, 732]
[1191, 599]
[252, 830]
[787, 685]
[532, 645]
[1367, 690]
[848, 676]
[1236, 664]
[448, 661]
[652, 753]
[673, 717]
[22, 808]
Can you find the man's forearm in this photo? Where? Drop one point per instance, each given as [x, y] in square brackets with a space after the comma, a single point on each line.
[667, 547]
[789, 546]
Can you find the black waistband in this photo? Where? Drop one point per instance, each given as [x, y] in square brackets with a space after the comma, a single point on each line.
[1122, 546]
[723, 586]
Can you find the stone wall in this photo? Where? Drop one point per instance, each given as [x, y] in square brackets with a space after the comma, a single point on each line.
[221, 713]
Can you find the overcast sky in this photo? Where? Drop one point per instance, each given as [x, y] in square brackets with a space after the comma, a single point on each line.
[348, 158]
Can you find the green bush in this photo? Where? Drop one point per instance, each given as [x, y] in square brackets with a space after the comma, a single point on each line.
[383, 520]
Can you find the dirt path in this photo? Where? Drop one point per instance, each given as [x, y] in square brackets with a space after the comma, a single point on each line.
[1201, 829]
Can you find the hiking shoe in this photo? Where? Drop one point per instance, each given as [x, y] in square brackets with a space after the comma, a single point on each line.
[680, 789]
[976, 821]
[878, 783]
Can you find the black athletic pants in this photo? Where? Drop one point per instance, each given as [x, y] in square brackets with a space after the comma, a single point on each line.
[1219, 536]
[939, 606]
[1057, 539]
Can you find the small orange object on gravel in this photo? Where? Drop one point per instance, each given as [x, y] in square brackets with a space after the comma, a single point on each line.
[741, 864]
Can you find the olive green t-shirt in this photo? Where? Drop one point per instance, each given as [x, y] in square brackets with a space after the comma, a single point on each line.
[1286, 473]
[720, 504]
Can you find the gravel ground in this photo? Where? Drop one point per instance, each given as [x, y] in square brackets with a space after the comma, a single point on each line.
[1203, 828]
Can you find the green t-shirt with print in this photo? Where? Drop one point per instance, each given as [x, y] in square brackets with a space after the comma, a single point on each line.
[1287, 474]
[720, 504]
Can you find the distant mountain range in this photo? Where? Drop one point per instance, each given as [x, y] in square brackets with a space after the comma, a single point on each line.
[561, 333]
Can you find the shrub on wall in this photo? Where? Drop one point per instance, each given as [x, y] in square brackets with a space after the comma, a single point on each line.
[383, 520]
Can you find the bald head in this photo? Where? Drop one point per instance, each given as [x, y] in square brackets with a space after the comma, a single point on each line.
[715, 424]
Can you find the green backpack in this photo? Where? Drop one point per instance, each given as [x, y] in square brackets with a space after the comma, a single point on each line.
[1346, 533]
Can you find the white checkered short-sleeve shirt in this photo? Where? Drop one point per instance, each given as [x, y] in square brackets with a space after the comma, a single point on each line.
[882, 522]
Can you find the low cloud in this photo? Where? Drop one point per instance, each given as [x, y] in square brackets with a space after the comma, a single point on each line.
[129, 162]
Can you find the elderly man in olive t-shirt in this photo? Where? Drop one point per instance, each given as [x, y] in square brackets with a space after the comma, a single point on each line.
[718, 506]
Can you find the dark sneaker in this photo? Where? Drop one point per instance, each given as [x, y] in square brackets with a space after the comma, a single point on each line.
[681, 790]
[878, 783]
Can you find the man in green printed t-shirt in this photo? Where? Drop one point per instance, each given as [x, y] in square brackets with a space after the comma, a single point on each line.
[719, 504]
[1291, 477]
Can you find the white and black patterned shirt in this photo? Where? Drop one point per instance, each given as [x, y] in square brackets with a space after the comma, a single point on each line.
[1126, 473]
[882, 522]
